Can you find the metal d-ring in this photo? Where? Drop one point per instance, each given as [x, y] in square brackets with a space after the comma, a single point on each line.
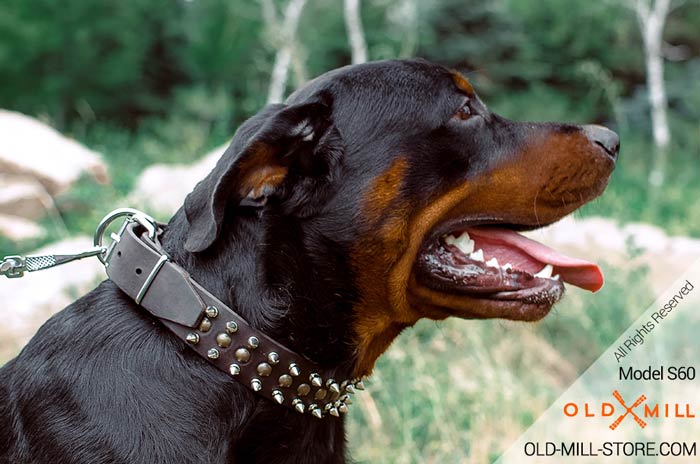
[132, 215]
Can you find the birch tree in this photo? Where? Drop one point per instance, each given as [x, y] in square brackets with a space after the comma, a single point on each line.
[286, 39]
[651, 15]
[356, 35]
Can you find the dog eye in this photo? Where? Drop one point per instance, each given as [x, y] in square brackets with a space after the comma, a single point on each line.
[465, 112]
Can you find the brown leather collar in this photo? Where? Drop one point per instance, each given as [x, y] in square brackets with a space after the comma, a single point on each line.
[139, 266]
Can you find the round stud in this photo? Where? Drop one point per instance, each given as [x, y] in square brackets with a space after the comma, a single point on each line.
[294, 370]
[213, 353]
[273, 357]
[278, 396]
[303, 389]
[298, 405]
[223, 340]
[285, 380]
[316, 380]
[231, 327]
[253, 342]
[242, 355]
[192, 338]
[264, 369]
[256, 385]
[212, 311]
[321, 394]
[234, 369]
[205, 325]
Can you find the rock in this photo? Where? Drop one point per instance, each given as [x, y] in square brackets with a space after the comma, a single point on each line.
[18, 228]
[29, 301]
[23, 196]
[30, 147]
[162, 188]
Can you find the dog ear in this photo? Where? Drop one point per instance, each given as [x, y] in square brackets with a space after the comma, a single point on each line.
[255, 165]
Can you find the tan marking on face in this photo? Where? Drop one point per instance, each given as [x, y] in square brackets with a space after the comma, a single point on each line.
[512, 191]
[260, 170]
[384, 190]
[462, 83]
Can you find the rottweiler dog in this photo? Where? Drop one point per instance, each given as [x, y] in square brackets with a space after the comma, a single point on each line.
[376, 195]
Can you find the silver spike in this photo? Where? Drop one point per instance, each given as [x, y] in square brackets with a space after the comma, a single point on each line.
[334, 412]
[278, 396]
[192, 338]
[298, 405]
[273, 357]
[231, 327]
[315, 411]
[333, 387]
[294, 370]
[234, 369]
[253, 342]
[256, 384]
[316, 380]
[346, 399]
[212, 311]
[342, 408]
[360, 385]
[213, 353]
[350, 388]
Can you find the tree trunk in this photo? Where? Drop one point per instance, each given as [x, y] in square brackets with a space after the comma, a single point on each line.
[283, 58]
[353, 25]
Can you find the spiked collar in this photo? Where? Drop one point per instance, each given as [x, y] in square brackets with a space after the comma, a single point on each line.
[138, 265]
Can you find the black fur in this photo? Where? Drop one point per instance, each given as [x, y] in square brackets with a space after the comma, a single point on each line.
[103, 382]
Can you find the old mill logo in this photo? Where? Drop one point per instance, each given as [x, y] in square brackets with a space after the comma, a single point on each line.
[639, 410]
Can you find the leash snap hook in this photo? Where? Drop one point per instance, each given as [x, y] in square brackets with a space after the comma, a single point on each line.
[131, 215]
[13, 267]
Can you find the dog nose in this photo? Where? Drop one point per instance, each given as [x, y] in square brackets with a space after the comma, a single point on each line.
[604, 137]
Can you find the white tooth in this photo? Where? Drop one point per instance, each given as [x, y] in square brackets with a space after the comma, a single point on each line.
[545, 272]
[556, 277]
[507, 266]
[478, 255]
[463, 242]
[493, 262]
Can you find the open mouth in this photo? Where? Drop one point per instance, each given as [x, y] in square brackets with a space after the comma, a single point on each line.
[502, 269]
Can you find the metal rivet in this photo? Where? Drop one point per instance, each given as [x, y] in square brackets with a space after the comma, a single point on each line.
[242, 355]
[213, 353]
[253, 342]
[334, 412]
[192, 338]
[223, 340]
[316, 380]
[234, 369]
[278, 396]
[320, 393]
[264, 369]
[231, 327]
[359, 385]
[205, 325]
[285, 380]
[273, 357]
[256, 384]
[342, 408]
[212, 311]
[350, 388]
[303, 389]
[298, 405]
[294, 369]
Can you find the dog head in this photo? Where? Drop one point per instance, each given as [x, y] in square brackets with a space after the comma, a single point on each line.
[368, 195]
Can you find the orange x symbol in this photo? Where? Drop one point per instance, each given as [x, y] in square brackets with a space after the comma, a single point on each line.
[628, 410]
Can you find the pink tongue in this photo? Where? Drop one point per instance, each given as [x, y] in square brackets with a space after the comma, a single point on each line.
[574, 271]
